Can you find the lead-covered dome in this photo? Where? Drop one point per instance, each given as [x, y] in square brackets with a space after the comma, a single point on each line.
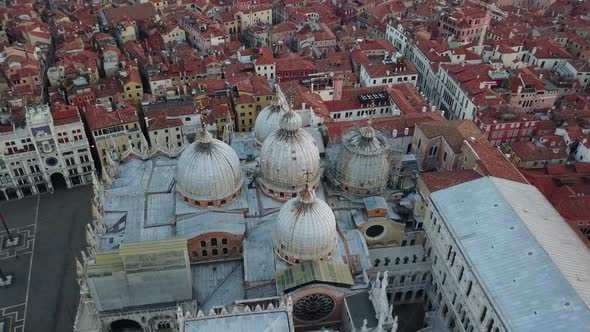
[289, 158]
[305, 229]
[362, 165]
[270, 117]
[208, 173]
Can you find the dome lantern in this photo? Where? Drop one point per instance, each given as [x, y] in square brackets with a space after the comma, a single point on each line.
[268, 119]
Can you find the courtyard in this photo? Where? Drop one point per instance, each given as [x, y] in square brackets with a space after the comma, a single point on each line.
[51, 230]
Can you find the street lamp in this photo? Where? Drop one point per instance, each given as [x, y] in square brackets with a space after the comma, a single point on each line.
[5, 280]
[6, 228]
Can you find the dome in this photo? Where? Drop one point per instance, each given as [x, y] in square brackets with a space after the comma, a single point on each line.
[208, 173]
[362, 165]
[268, 119]
[305, 229]
[289, 158]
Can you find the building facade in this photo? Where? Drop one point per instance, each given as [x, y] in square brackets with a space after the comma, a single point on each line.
[50, 150]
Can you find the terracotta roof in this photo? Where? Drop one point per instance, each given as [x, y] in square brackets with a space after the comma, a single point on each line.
[527, 151]
[64, 114]
[98, 118]
[260, 85]
[294, 64]
[142, 11]
[407, 98]
[162, 122]
[386, 124]
[454, 132]
[439, 180]
[492, 162]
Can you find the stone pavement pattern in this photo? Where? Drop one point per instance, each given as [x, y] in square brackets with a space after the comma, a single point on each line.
[44, 295]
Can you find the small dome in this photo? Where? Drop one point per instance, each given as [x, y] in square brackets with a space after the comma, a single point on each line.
[208, 172]
[290, 122]
[362, 165]
[305, 229]
[268, 120]
[288, 157]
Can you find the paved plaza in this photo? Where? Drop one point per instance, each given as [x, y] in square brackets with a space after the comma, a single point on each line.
[50, 227]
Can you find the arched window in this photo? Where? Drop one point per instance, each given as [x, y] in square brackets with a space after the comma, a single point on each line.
[214, 242]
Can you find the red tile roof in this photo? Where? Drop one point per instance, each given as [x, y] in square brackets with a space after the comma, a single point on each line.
[439, 180]
[64, 114]
[162, 122]
[527, 151]
[386, 124]
[98, 118]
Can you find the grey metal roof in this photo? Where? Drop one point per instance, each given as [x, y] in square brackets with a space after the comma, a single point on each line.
[196, 225]
[218, 283]
[527, 289]
[375, 202]
[257, 321]
[359, 308]
[259, 257]
[561, 242]
[357, 246]
[159, 209]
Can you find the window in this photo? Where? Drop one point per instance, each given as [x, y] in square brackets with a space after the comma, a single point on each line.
[224, 242]
[213, 242]
[225, 251]
[214, 252]
[203, 244]
[203, 253]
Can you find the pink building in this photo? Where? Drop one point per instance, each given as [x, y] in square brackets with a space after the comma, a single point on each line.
[502, 124]
[464, 24]
[527, 92]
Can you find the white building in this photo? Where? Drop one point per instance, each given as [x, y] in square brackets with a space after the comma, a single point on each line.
[493, 259]
[50, 150]
[575, 69]
[397, 38]
[166, 135]
[545, 54]
[265, 64]
[388, 73]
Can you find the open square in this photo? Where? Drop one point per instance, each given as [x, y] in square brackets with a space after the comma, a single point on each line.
[50, 231]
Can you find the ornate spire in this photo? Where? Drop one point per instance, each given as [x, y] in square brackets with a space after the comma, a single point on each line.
[275, 96]
[206, 137]
[290, 122]
[307, 195]
[368, 132]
